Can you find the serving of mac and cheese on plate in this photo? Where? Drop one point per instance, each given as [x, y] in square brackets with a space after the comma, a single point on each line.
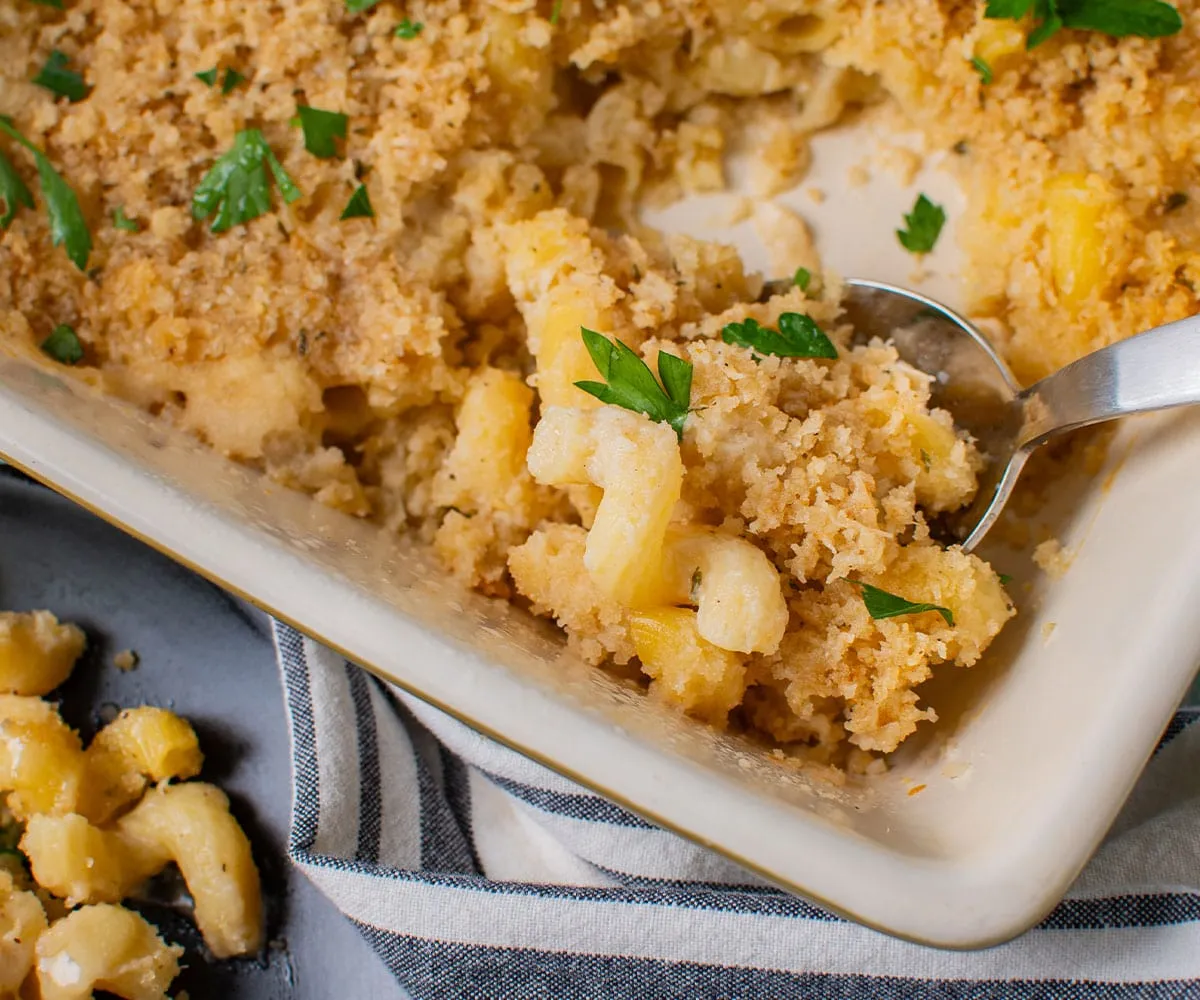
[392, 256]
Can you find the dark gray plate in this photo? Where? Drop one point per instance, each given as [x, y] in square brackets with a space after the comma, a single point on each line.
[206, 656]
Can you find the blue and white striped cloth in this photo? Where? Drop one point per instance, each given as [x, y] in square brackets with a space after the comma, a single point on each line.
[476, 873]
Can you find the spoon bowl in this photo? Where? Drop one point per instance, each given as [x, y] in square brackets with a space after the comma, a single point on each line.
[1155, 370]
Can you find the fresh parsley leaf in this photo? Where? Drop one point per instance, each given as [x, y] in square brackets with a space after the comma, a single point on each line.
[802, 278]
[56, 4]
[924, 224]
[1118, 18]
[628, 381]
[56, 78]
[1004, 578]
[408, 30]
[63, 345]
[122, 221]
[13, 192]
[556, 12]
[230, 80]
[321, 128]
[236, 187]
[359, 205]
[880, 604]
[208, 77]
[983, 69]
[1007, 9]
[358, 6]
[67, 224]
[798, 336]
[1049, 26]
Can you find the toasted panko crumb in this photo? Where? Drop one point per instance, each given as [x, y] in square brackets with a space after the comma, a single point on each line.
[126, 659]
[1052, 558]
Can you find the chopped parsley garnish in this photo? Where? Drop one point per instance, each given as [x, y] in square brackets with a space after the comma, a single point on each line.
[358, 6]
[122, 221]
[56, 4]
[556, 12]
[798, 336]
[1118, 18]
[63, 345]
[924, 224]
[1004, 579]
[628, 381]
[802, 278]
[67, 224]
[13, 192]
[56, 78]
[881, 604]
[321, 129]
[1175, 200]
[230, 80]
[359, 205]
[236, 188]
[408, 30]
[983, 69]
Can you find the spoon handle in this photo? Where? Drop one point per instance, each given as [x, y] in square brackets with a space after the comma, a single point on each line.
[1155, 370]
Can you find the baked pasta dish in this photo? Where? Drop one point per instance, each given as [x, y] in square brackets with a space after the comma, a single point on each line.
[392, 255]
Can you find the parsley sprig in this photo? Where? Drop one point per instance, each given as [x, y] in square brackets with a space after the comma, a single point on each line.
[358, 6]
[1118, 18]
[67, 224]
[881, 604]
[798, 336]
[322, 129]
[13, 192]
[57, 79]
[924, 224]
[230, 80]
[63, 345]
[628, 381]
[408, 29]
[359, 205]
[123, 222]
[236, 188]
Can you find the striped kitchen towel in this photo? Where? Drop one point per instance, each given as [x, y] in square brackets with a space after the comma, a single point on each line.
[476, 873]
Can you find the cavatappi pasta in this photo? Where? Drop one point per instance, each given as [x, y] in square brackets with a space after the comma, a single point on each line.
[85, 827]
[418, 366]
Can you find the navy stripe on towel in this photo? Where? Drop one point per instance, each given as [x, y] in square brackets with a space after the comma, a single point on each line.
[370, 798]
[307, 806]
[437, 969]
[590, 808]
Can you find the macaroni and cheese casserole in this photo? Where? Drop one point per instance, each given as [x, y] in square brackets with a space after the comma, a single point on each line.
[390, 253]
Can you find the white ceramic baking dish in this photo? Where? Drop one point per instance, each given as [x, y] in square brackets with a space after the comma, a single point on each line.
[1034, 754]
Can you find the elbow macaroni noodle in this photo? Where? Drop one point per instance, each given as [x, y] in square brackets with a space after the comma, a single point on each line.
[93, 833]
[637, 465]
[637, 558]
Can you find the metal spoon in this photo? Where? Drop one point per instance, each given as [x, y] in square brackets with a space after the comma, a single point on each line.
[1155, 370]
